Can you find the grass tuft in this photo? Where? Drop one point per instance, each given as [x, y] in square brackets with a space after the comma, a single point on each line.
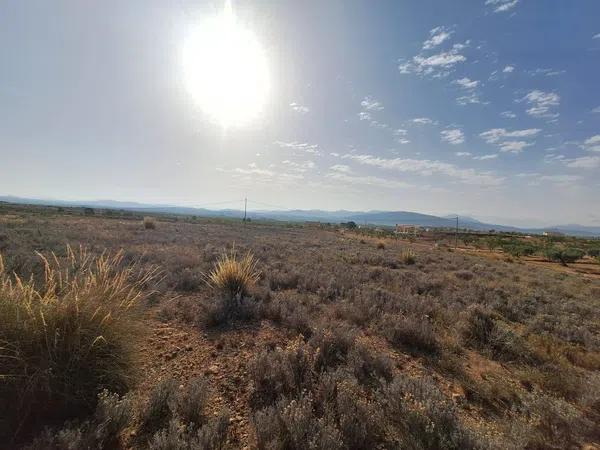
[66, 340]
[234, 274]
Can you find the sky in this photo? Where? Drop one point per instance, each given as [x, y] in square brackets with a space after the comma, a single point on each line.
[486, 108]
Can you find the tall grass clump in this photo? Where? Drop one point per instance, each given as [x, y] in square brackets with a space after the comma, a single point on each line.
[233, 274]
[65, 339]
[408, 257]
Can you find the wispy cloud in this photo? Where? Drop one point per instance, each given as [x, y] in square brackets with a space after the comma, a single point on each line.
[561, 179]
[463, 153]
[300, 167]
[498, 134]
[369, 104]
[508, 69]
[596, 36]
[400, 136]
[542, 103]
[429, 167]
[299, 108]
[299, 146]
[438, 65]
[508, 114]
[545, 72]
[584, 162]
[592, 144]
[422, 121]
[486, 157]
[454, 136]
[466, 83]
[341, 168]
[345, 177]
[513, 146]
[502, 5]
[437, 36]
[596, 110]
[470, 99]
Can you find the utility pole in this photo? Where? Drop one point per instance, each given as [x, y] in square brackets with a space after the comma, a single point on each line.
[456, 235]
[246, 207]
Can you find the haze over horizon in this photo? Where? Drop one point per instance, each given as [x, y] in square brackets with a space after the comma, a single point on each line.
[487, 108]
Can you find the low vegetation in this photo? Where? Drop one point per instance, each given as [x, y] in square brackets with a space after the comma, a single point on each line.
[297, 338]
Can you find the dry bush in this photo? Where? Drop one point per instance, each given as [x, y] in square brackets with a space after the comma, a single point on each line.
[424, 417]
[410, 333]
[113, 415]
[484, 333]
[380, 245]
[233, 275]
[149, 223]
[408, 257]
[68, 339]
[176, 417]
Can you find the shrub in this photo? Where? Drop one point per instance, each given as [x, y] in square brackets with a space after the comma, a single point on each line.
[149, 223]
[233, 275]
[426, 419]
[409, 333]
[408, 257]
[381, 245]
[113, 414]
[594, 252]
[66, 341]
[564, 255]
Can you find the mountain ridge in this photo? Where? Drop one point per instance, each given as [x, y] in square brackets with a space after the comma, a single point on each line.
[373, 217]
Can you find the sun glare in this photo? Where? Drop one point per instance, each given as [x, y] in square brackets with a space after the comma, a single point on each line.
[226, 70]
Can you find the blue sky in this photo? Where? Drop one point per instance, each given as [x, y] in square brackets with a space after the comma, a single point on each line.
[487, 108]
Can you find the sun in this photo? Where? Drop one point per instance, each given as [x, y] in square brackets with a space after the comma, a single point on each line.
[225, 70]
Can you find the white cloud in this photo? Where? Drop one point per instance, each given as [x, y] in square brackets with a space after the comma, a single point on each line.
[341, 168]
[584, 162]
[437, 65]
[437, 36]
[508, 114]
[299, 108]
[466, 83]
[545, 72]
[299, 146]
[454, 136]
[514, 146]
[472, 98]
[561, 179]
[596, 109]
[542, 103]
[592, 144]
[596, 36]
[299, 166]
[428, 167]
[367, 180]
[255, 174]
[369, 104]
[463, 153]
[497, 134]
[508, 69]
[334, 154]
[485, 157]
[400, 136]
[502, 5]
[422, 120]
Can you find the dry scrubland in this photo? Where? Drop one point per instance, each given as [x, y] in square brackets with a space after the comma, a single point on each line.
[342, 342]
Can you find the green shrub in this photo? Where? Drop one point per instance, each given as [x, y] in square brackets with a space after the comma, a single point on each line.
[564, 255]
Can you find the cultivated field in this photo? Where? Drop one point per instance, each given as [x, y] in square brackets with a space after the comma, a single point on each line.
[344, 341]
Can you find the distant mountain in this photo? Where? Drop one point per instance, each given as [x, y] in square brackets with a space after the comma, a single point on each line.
[381, 218]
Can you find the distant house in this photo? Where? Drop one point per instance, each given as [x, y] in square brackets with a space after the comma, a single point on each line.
[407, 229]
[553, 233]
